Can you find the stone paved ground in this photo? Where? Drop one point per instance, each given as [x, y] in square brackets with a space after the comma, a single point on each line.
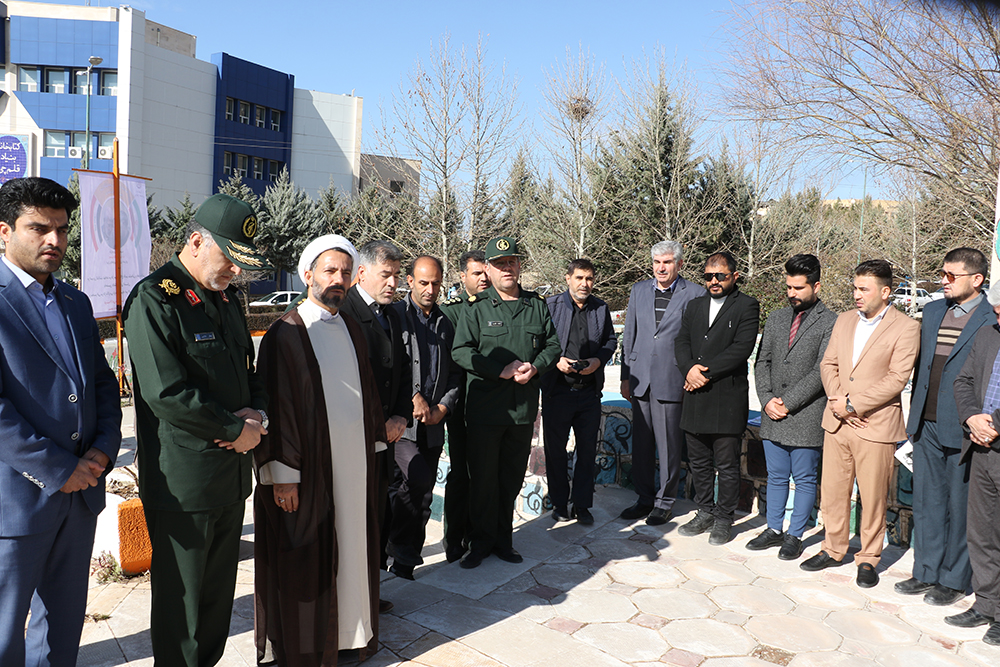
[611, 594]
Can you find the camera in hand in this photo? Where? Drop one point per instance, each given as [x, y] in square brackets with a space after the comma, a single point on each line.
[579, 365]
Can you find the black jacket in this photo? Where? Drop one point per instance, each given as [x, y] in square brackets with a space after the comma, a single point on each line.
[600, 332]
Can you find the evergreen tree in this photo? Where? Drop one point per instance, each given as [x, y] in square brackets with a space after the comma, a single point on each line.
[292, 221]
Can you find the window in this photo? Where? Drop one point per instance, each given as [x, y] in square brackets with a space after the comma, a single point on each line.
[241, 165]
[395, 187]
[55, 80]
[28, 80]
[227, 163]
[275, 120]
[109, 82]
[258, 168]
[79, 139]
[55, 144]
[80, 82]
[105, 145]
[230, 108]
[245, 112]
[260, 115]
[273, 170]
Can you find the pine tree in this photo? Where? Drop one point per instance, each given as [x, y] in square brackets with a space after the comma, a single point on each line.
[292, 221]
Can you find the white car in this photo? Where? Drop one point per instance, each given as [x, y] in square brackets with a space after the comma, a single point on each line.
[903, 296]
[275, 300]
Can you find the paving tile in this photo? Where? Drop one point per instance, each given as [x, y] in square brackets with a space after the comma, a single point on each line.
[457, 617]
[938, 643]
[696, 586]
[567, 625]
[708, 637]
[621, 589]
[649, 621]
[476, 583]
[535, 644]
[717, 572]
[731, 617]
[525, 605]
[519, 584]
[645, 574]
[828, 659]
[682, 658]
[930, 619]
[824, 595]
[807, 611]
[693, 548]
[104, 600]
[384, 658]
[908, 656]
[437, 651]
[875, 629]
[98, 646]
[625, 641]
[130, 625]
[980, 653]
[774, 568]
[397, 633]
[565, 577]
[750, 600]
[618, 550]
[409, 596]
[594, 607]
[742, 661]
[574, 553]
[793, 633]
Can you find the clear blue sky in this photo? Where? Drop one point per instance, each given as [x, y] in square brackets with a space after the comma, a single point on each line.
[338, 46]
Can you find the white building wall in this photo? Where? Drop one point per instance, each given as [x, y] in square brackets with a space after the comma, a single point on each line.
[326, 141]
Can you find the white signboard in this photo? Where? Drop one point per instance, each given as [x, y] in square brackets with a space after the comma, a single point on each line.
[97, 239]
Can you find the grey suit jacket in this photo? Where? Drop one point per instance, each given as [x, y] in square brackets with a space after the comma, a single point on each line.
[792, 374]
[973, 379]
[648, 360]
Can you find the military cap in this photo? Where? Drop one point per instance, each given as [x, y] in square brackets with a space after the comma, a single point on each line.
[233, 225]
[502, 246]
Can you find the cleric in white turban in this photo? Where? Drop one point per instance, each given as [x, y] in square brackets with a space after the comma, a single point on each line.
[315, 510]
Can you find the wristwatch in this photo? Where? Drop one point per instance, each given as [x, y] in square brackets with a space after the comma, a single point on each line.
[847, 405]
[263, 419]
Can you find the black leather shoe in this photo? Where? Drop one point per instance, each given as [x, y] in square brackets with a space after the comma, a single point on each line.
[472, 559]
[992, 636]
[867, 576]
[560, 514]
[402, 571]
[509, 555]
[912, 586]
[636, 511]
[791, 548]
[454, 553]
[701, 522]
[769, 538]
[942, 596]
[968, 619]
[658, 517]
[384, 606]
[820, 561]
[721, 533]
[404, 554]
[583, 516]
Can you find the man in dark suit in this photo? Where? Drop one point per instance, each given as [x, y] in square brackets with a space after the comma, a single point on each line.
[652, 382]
[368, 303]
[717, 336]
[791, 393]
[941, 570]
[60, 429]
[977, 395]
[571, 392]
[428, 336]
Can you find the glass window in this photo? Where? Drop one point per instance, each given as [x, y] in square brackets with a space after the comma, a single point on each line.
[241, 165]
[227, 163]
[109, 82]
[55, 80]
[258, 168]
[105, 145]
[275, 120]
[55, 143]
[79, 139]
[28, 80]
[244, 112]
[80, 82]
[274, 168]
[260, 113]
[230, 108]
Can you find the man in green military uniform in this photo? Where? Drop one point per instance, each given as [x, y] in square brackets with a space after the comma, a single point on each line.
[199, 407]
[505, 341]
[472, 273]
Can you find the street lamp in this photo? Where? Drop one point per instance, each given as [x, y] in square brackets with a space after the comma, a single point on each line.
[94, 62]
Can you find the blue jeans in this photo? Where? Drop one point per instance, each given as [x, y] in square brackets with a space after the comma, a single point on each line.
[799, 463]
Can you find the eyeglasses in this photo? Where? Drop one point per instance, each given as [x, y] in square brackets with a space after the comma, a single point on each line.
[718, 276]
[951, 276]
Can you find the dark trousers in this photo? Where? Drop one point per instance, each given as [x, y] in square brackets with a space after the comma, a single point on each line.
[800, 464]
[384, 466]
[940, 501]
[984, 530]
[456, 489]
[46, 572]
[413, 491]
[656, 432]
[708, 454]
[498, 459]
[563, 409]
[193, 581]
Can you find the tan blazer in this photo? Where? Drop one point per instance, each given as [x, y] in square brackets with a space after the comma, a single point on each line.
[875, 383]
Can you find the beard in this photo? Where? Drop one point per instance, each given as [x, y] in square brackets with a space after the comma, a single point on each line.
[332, 296]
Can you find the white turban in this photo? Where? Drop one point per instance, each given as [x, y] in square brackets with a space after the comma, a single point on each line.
[321, 245]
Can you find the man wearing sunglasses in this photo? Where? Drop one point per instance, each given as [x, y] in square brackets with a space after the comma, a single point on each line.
[941, 570]
[717, 336]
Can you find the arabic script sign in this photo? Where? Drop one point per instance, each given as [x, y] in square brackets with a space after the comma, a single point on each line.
[13, 156]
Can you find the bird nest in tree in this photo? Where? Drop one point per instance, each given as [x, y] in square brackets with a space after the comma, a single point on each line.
[579, 108]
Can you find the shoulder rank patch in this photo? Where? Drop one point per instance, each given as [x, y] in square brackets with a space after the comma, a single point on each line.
[192, 297]
[170, 287]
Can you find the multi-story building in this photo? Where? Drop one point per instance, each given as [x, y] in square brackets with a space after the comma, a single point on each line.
[183, 122]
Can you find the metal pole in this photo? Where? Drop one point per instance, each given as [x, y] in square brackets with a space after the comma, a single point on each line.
[86, 152]
[122, 381]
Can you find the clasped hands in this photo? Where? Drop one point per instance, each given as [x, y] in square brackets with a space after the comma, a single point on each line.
[424, 413]
[981, 430]
[249, 437]
[696, 378]
[565, 365]
[838, 406]
[518, 371]
[88, 471]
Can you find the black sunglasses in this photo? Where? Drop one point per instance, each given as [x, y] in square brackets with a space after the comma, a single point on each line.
[951, 276]
[718, 276]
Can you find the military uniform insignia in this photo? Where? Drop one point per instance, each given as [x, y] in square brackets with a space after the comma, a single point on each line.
[243, 257]
[494, 323]
[250, 226]
[503, 245]
[192, 297]
[540, 297]
[201, 337]
[170, 287]
[472, 298]
[224, 296]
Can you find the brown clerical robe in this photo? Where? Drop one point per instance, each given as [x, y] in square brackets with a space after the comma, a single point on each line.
[296, 553]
